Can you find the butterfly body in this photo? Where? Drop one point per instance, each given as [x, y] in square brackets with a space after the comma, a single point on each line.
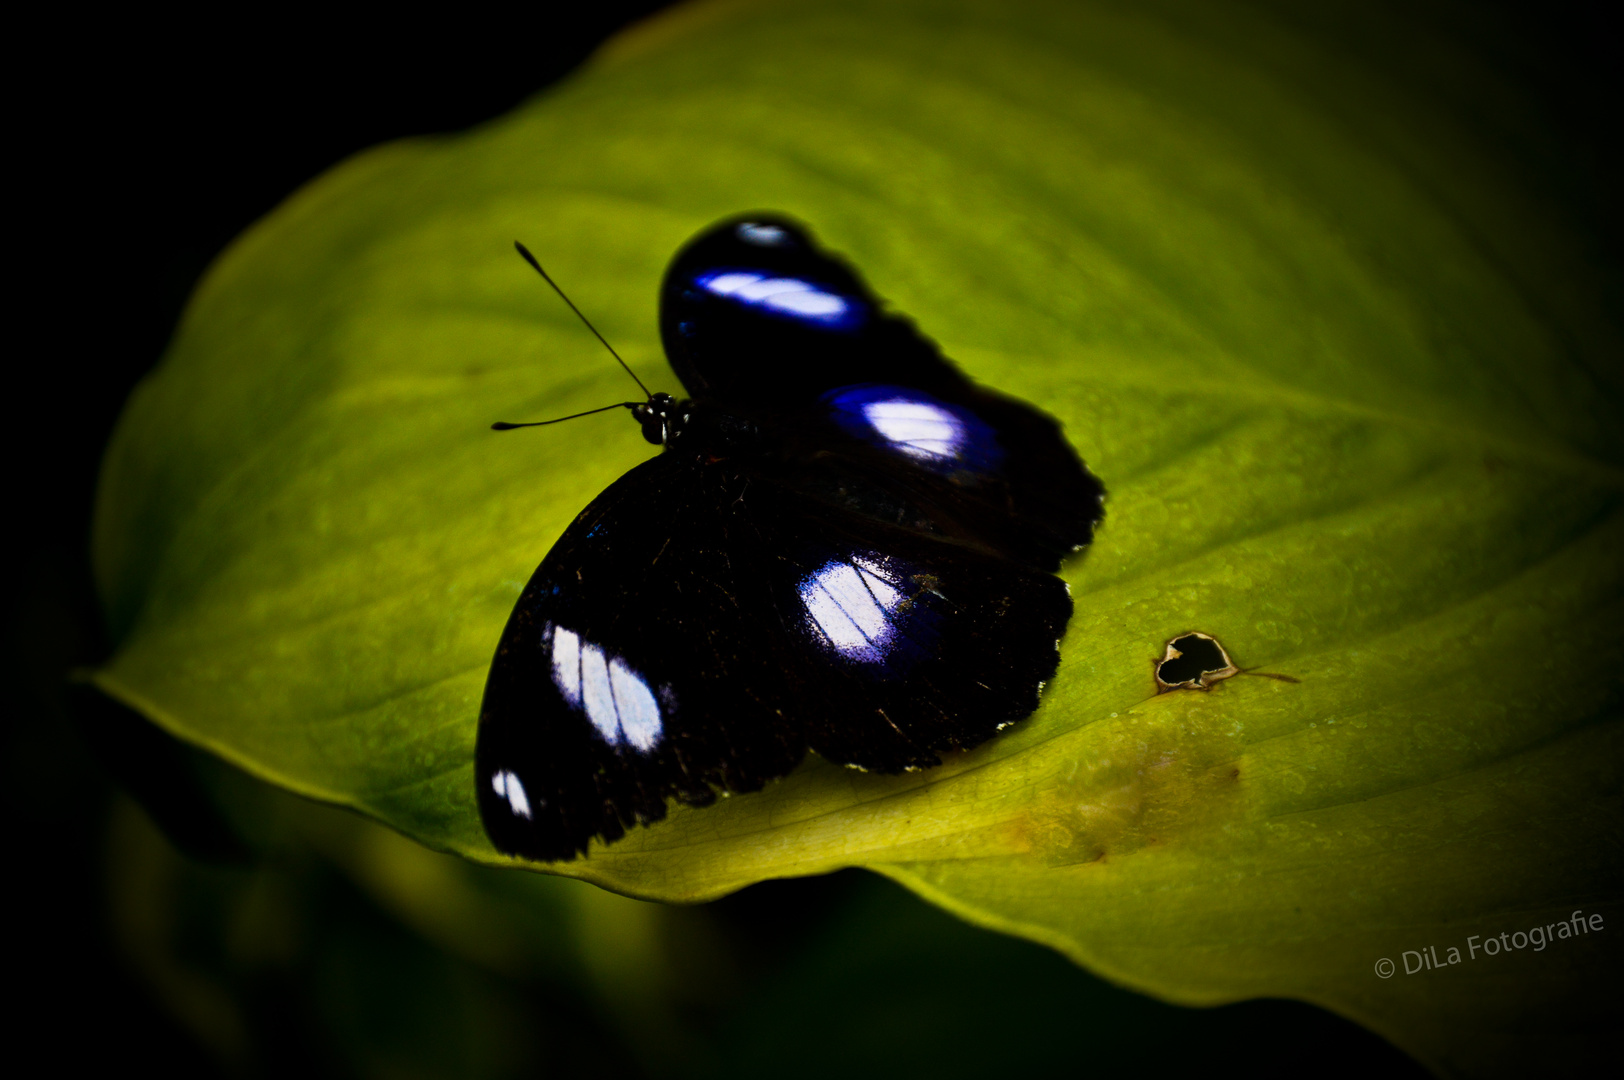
[845, 546]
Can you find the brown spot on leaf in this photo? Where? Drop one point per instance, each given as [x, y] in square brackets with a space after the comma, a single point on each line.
[1151, 778]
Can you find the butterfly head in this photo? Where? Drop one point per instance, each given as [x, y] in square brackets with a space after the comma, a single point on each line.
[658, 416]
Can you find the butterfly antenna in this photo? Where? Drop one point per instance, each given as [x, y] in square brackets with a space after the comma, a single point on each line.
[531, 259]
[503, 425]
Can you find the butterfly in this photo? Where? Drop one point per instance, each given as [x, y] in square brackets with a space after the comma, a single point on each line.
[845, 547]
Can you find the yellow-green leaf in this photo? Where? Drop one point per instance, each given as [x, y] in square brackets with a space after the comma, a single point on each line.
[1343, 370]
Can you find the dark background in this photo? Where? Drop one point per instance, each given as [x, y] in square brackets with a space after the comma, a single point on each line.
[146, 147]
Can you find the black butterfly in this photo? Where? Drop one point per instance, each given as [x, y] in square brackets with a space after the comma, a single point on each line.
[846, 546]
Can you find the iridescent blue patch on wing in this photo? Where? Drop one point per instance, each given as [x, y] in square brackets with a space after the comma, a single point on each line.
[937, 435]
[865, 609]
[786, 297]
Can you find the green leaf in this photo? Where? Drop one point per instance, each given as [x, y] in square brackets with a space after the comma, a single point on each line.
[1343, 368]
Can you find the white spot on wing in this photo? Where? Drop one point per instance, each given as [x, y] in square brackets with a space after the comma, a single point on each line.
[614, 697]
[840, 628]
[768, 288]
[790, 296]
[597, 696]
[639, 712]
[916, 428]
[507, 786]
[567, 664]
[764, 235]
[851, 605]
[728, 284]
[878, 580]
[806, 302]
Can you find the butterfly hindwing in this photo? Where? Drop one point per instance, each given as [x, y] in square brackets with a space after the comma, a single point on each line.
[996, 467]
[758, 320]
[902, 645]
[753, 315]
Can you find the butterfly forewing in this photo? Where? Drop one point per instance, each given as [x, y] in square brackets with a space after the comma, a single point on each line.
[701, 625]
[625, 673]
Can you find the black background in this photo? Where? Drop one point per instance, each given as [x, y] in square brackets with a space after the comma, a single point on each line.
[145, 147]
